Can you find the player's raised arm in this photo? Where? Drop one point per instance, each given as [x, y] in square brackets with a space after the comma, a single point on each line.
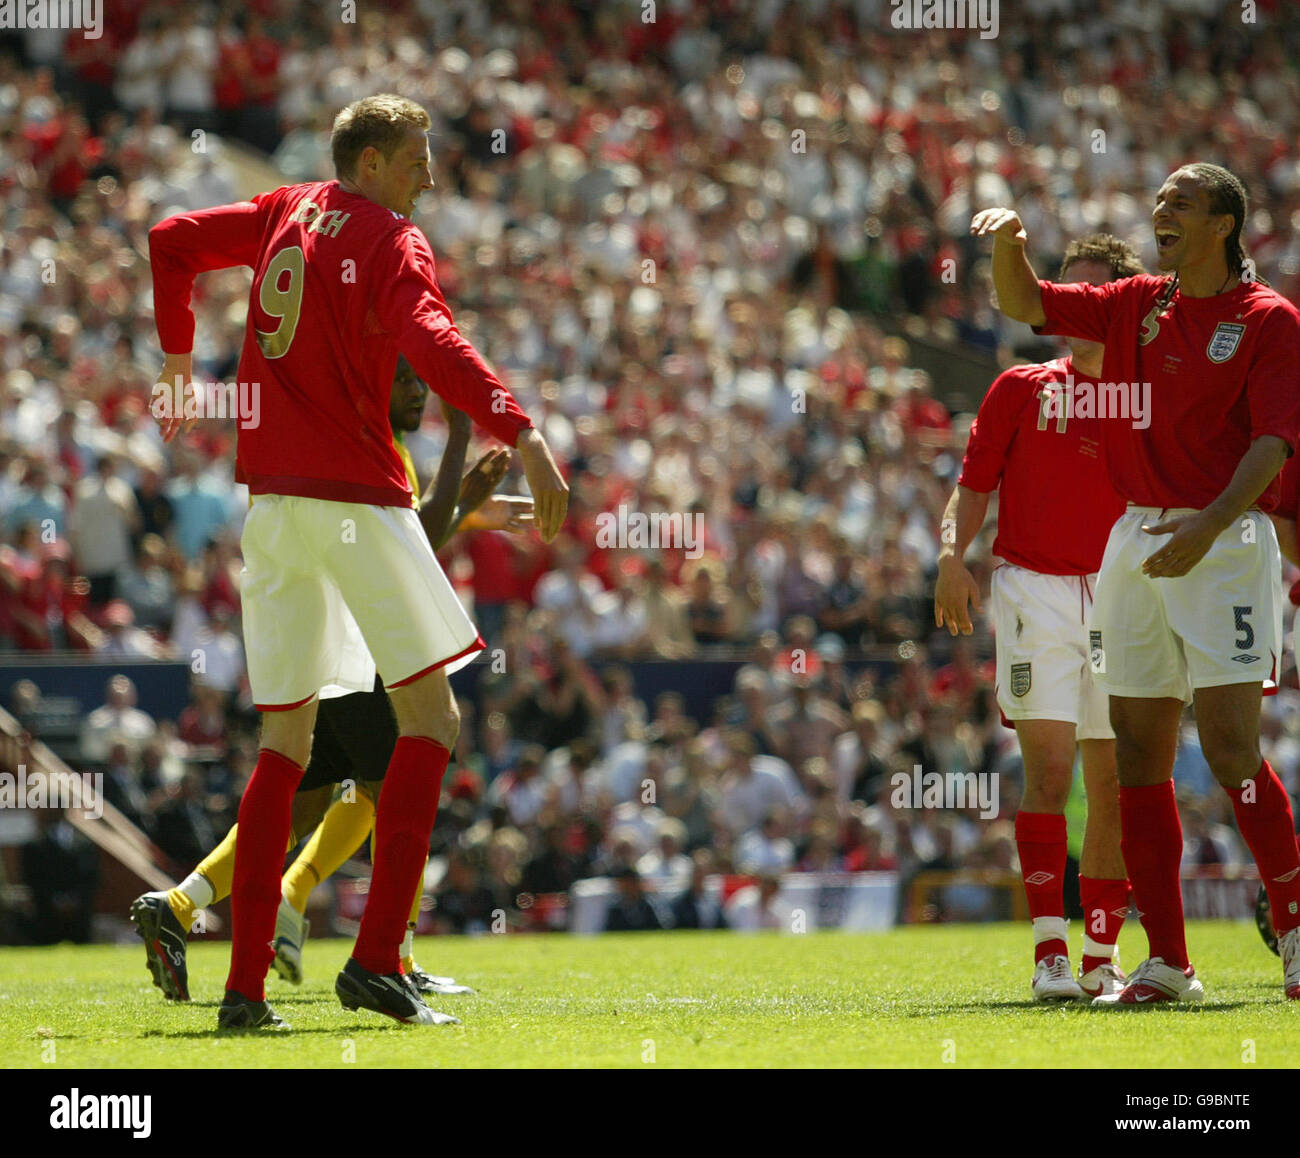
[1019, 296]
[438, 505]
[451, 500]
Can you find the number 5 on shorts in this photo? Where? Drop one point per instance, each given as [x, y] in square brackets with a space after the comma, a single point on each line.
[1246, 636]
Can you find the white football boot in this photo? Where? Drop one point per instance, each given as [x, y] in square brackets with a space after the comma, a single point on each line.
[1054, 980]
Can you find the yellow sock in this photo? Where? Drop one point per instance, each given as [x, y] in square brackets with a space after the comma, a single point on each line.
[342, 831]
[182, 908]
[408, 955]
[217, 870]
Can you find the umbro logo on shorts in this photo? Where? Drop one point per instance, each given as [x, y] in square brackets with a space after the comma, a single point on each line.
[1039, 878]
[1244, 658]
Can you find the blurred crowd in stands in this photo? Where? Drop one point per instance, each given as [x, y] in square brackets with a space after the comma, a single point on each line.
[697, 249]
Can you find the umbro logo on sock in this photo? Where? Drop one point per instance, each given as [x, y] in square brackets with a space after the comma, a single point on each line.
[1287, 877]
[1039, 878]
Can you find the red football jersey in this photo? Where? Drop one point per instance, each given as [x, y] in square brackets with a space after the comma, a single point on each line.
[1223, 371]
[1288, 484]
[341, 285]
[1055, 503]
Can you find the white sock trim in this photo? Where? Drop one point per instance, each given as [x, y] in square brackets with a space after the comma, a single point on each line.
[1093, 948]
[1049, 929]
[198, 889]
[408, 944]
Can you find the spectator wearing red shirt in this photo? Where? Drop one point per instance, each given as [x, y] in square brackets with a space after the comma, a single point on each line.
[259, 123]
[51, 610]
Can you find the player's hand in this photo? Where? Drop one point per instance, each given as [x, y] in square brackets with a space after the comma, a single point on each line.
[955, 591]
[168, 410]
[1003, 224]
[1190, 538]
[511, 513]
[483, 478]
[550, 491]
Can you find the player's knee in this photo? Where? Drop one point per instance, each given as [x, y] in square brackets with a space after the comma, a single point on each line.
[445, 724]
[440, 722]
[1054, 790]
[1231, 759]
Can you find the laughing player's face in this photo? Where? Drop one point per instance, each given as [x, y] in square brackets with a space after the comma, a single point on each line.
[399, 180]
[1187, 233]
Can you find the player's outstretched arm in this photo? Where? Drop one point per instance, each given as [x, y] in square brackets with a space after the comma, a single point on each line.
[955, 590]
[1013, 277]
[1193, 535]
[411, 305]
[550, 491]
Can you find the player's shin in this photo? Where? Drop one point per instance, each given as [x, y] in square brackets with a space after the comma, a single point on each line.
[208, 883]
[404, 820]
[1152, 840]
[265, 818]
[1041, 842]
[340, 833]
[1105, 905]
[1266, 823]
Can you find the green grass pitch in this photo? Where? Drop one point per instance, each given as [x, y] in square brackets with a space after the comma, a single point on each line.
[955, 996]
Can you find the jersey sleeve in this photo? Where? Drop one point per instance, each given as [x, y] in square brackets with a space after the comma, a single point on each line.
[1273, 380]
[1288, 499]
[187, 244]
[1079, 310]
[411, 307]
[993, 431]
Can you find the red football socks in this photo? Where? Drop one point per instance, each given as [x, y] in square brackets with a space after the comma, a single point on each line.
[408, 805]
[1105, 905]
[1040, 839]
[1151, 838]
[265, 820]
[1264, 818]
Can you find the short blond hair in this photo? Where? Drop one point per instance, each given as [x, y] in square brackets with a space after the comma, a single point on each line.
[382, 120]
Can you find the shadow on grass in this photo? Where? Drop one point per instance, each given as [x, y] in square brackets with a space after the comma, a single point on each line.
[1073, 1007]
[270, 1034]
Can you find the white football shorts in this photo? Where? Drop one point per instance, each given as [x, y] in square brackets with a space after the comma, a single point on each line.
[1041, 625]
[328, 585]
[1219, 624]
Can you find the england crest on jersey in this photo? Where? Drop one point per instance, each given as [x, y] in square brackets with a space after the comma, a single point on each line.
[1224, 341]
